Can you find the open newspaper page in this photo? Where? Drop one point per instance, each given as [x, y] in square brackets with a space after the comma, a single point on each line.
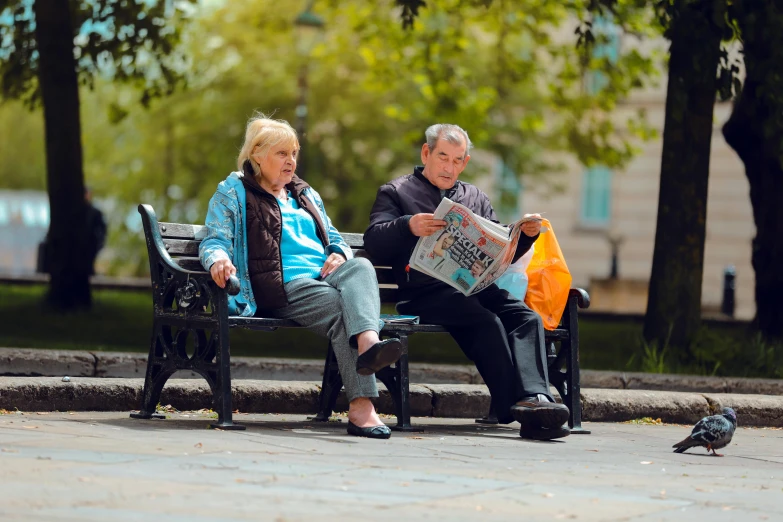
[468, 252]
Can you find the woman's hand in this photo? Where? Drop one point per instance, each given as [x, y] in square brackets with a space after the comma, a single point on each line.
[531, 228]
[333, 262]
[221, 270]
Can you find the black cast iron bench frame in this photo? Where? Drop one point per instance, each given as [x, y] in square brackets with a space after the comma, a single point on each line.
[188, 305]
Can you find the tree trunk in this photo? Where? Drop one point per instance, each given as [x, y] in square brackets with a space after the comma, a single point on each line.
[68, 259]
[751, 132]
[674, 301]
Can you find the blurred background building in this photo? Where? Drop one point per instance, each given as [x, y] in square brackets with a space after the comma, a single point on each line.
[24, 220]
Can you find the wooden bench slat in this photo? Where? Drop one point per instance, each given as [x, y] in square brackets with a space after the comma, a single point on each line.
[353, 239]
[181, 247]
[182, 231]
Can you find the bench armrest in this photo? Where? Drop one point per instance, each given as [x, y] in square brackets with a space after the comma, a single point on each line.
[232, 285]
[582, 297]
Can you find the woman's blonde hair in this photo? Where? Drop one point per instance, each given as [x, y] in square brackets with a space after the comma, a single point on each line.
[263, 133]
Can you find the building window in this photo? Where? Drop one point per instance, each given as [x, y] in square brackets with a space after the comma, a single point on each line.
[596, 197]
[607, 47]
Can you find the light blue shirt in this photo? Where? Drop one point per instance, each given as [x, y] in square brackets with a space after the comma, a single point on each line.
[303, 253]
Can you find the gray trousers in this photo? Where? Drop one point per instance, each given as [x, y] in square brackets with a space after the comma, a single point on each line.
[345, 303]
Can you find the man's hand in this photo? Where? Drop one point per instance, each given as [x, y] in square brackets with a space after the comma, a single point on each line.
[531, 228]
[425, 224]
[221, 270]
[332, 263]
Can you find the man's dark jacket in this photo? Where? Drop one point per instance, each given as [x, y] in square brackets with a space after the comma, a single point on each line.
[389, 239]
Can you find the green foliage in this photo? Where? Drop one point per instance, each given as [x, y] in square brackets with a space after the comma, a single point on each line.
[132, 42]
[506, 72]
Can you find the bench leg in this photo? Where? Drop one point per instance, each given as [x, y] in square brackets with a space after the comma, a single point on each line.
[331, 385]
[573, 387]
[491, 417]
[557, 377]
[221, 394]
[159, 368]
[397, 381]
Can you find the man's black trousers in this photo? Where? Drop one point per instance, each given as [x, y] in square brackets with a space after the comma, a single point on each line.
[499, 333]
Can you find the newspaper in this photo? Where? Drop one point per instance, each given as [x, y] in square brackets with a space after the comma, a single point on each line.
[471, 252]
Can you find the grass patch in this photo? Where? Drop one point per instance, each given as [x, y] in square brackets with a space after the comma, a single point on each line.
[122, 321]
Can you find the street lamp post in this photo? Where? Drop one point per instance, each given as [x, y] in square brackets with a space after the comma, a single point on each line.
[309, 26]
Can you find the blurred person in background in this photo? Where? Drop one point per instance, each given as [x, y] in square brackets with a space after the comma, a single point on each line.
[96, 238]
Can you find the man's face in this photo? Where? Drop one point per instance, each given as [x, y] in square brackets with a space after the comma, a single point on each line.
[448, 241]
[444, 163]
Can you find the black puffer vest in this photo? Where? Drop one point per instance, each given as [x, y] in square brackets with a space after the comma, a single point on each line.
[264, 230]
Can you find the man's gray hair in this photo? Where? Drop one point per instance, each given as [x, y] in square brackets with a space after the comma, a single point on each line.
[454, 134]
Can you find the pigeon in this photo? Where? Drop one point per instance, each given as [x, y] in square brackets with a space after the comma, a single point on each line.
[713, 432]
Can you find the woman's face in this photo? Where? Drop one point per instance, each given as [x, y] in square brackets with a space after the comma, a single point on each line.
[278, 166]
[477, 268]
[448, 241]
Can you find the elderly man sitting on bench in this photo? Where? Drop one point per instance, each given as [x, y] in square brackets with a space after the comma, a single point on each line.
[500, 334]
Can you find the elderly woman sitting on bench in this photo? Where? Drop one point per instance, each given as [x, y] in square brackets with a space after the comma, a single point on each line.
[270, 229]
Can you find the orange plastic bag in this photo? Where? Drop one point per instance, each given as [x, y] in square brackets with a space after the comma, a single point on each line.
[549, 280]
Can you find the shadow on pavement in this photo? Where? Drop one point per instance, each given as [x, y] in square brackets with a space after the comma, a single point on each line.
[315, 429]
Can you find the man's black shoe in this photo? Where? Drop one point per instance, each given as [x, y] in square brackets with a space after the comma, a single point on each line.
[544, 433]
[539, 412]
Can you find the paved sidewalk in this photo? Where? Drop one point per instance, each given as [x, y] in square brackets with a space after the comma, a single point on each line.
[105, 466]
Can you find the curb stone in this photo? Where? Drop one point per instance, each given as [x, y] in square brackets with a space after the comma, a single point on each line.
[437, 400]
[27, 362]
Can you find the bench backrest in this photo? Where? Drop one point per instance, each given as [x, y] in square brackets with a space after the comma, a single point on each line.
[181, 242]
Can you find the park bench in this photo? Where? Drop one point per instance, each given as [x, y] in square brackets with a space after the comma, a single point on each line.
[190, 307]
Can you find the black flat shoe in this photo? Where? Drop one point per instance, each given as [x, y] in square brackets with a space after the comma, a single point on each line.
[374, 432]
[380, 355]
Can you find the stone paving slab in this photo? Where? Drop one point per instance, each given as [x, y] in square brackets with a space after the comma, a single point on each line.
[432, 400]
[26, 362]
[105, 466]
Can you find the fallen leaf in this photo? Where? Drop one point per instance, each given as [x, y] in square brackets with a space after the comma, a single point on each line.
[197, 445]
[548, 495]
[645, 462]
[30, 427]
[596, 451]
